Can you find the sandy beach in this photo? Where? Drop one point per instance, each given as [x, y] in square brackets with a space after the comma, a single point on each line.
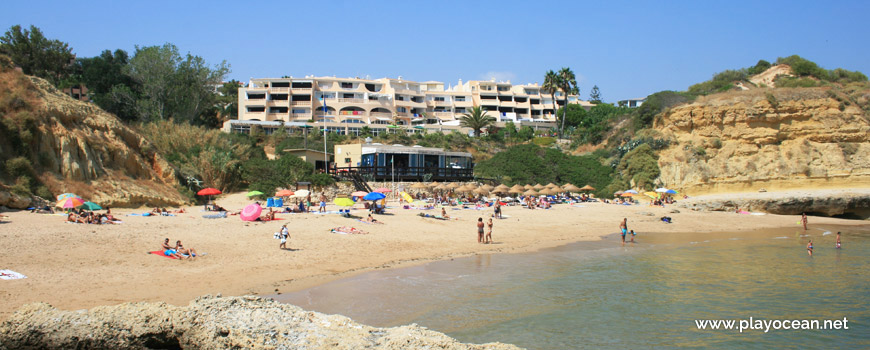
[77, 266]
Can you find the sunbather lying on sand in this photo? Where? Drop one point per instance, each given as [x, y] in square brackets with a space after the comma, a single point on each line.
[170, 250]
[190, 253]
[348, 230]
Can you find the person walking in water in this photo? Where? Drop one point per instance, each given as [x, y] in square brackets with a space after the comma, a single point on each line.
[810, 248]
[804, 220]
[838, 240]
[479, 230]
[623, 226]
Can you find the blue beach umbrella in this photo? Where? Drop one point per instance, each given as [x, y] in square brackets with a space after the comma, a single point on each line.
[373, 196]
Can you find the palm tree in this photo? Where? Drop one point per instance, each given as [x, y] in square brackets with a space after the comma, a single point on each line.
[476, 120]
[568, 85]
[551, 84]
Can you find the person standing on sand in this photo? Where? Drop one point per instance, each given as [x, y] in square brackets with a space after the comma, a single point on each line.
[810, 248]
[283, 235]
[479, 230]
[838, 240]
[488, 238]
[623, 227]
[322, 202]
[804, 221]
[308, 201]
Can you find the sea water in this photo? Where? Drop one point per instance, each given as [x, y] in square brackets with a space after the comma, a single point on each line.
[641, 295]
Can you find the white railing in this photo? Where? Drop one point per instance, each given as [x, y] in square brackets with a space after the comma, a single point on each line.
[279, 89]
[351, 100]
[300, 103]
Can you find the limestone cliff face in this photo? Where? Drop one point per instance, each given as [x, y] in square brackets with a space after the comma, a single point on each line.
[82, 149]
[766, 138]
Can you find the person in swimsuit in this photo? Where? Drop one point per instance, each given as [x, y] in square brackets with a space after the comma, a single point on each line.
[804, 220]
[623, 227]
[169, 250]
[810, 248]
[838, 240]
[479, 230]
[322, 203]
[190, 253]
[488, 238]
[444, 213]
[632, 236]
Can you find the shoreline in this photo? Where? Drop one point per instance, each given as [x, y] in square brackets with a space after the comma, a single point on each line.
[68, 267]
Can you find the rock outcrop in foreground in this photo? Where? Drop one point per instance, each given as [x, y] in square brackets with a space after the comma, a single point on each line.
[209, 323]
[850, 204]
[777, 139]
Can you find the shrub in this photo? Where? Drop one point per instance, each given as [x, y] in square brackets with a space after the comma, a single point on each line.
[544, 141]
[772, 99]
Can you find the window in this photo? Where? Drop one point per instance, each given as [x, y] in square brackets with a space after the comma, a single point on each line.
[347, 85]
[439, 99]
[459, 98]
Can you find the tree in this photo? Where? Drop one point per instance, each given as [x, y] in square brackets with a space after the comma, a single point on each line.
[595, 95]
[568, 85]
[510, 130]
[36, 54]
[228, 100]
[111, 89]
[172, 87]
[476, 120]
[551, 84]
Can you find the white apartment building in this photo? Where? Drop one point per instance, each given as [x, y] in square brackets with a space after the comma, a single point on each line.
[345, 105]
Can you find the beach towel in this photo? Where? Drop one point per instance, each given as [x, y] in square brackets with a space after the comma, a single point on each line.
[160, 253]
[222, 214]
[137, 214]
[10, 275]
[348, 230]
[369, 223]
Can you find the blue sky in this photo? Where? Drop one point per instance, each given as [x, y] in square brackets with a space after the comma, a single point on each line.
[628, 49]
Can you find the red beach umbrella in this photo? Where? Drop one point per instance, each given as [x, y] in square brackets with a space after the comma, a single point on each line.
[383, 190]
[209, 192]
[284, 193]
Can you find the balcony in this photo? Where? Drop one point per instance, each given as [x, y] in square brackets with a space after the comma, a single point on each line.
[301, 103]
[439, 103]
[381, 115]
[351, 100]
[277, 103]
[279, 89]
[302, 91]
[254, 115]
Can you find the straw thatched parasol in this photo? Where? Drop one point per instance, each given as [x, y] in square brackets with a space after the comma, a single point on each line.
[538, 187]
[433, 184]
[502, 187]
[472, 186]
[462, 189]
[571, 188]
[481, 191]
[487, 187]
[528, 187]
[516, 189]
[441, 187]
[452, 185]
[530, 193]
[419, 186]
[551, 185]
[587, 188]
[546, 191]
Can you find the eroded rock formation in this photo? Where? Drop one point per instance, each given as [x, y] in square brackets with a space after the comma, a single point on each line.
[765, 138]
[210, 323]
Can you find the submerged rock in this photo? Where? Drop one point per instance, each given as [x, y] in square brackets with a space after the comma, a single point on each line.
[208, 322]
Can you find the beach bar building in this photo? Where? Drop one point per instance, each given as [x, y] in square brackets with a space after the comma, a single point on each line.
[402, 163]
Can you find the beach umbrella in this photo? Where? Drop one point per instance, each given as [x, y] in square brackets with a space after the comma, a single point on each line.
[452, 185]
[572, 188]
[488, 187]
[359, 194]
[441, 187]
[419, 186]
[551, 185]
[587, 188]
[254, 193]
[652, 195]
[344, 202]
[661, 190]
[301, 194]
[383, 190]
[208, 192]
[627, 194]
[90, 206]
[67, 195]
[672, 192]
[251, 212]
[284, 193]
[472, 186]
[538, 187]
[70, 202]
[462, 189]
[374, 196]
[502, 187]
[528, 187]
[500, 190]
[433, 184]
[630, 191]
[548, 191]
[531, 192]
[481, 191]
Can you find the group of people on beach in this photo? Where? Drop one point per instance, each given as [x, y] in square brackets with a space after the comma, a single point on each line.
[89, 217]
[480, 236]
[810, 245]
[178, 251]
[623, 228]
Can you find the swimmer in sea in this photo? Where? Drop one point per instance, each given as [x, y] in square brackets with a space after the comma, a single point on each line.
[810, 248]
[838, 240]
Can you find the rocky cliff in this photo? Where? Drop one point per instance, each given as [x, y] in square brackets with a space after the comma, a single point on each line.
[77, 147]
[765, 138]
[209, 323]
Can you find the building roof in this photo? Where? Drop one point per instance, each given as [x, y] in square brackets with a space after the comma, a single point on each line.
[376, 148]
[290, 150]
